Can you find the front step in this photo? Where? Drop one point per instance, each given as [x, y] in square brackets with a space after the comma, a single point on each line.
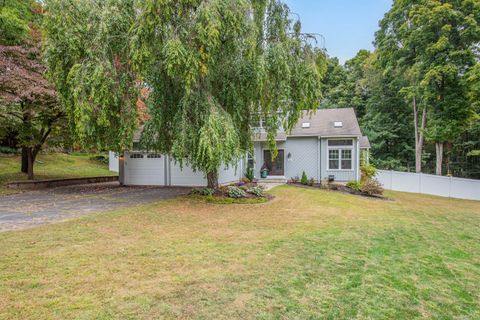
[273, 180]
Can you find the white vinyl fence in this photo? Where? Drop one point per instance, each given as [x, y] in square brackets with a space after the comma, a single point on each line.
[112, 161]
[430, 184]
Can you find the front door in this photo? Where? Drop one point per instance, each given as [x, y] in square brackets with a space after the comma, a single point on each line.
[275, 167]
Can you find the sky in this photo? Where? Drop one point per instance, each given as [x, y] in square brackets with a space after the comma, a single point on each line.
[347, 25]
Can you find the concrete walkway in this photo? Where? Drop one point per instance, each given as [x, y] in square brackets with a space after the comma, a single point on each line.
[35, 208]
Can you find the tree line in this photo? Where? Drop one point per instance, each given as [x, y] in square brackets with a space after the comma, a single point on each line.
[417, 94]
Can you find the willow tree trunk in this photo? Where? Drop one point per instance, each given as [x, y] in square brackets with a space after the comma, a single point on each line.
[439, 151]
[212, 180]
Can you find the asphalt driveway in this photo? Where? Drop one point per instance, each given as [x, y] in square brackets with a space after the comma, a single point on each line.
[34, 208]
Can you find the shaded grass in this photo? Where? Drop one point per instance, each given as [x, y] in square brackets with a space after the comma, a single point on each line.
[306, 254]
[50, 166]
[225, 200]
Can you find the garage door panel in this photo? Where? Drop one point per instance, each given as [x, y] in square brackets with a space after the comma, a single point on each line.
[145, 171]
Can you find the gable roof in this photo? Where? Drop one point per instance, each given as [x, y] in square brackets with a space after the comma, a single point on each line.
[364, 142]
[322, 123]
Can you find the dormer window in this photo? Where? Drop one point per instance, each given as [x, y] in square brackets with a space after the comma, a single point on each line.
[338, 124]
[306, 125]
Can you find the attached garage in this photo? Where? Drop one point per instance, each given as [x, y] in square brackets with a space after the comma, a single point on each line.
[145, 169]
[185, 176]
[153, 169]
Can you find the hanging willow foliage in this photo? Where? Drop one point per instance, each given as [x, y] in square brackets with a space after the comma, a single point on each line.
[213, 66]
[210, 68]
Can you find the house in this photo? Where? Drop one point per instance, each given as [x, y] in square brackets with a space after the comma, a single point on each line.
[326, 145]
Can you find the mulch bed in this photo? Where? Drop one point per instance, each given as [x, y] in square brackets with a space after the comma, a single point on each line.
[335, 187]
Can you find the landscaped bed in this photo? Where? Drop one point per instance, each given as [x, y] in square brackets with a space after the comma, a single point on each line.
[246, 191]
[309, 254]
[338, 187]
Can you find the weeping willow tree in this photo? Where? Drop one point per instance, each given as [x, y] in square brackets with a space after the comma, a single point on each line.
[212, 67]
[88, 58]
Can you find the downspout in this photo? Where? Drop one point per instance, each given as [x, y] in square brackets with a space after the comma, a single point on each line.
[319, 162]
[357, 157]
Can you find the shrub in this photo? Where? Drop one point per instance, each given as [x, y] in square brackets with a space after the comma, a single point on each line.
[245, 180]
[355, 185]
[311, 182]
[304, 179]
[372, 187]
[8, 150]
[249, 174]
[203, 191]
[368, 172]
[257, 191]
[294, 179]
[235, 192]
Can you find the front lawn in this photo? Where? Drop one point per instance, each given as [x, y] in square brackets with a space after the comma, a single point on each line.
[307, 254]
[51, 166]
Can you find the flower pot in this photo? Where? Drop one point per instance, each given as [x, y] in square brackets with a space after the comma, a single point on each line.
[264, 173]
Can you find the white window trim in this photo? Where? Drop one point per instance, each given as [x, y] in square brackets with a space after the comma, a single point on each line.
[340, 148]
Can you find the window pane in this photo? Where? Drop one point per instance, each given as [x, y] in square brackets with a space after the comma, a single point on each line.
[333, 159]
[346, 164]
[346, 142]
[346, 154]
[333, 164]
[154, 156]
[333, 154]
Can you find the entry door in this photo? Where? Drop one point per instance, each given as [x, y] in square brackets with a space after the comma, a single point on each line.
[275, 167]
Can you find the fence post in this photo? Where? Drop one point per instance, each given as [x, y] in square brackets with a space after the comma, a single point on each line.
[391, 179]
[450, 187]
[420, 183]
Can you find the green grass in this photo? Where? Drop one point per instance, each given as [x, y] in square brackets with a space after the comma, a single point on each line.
[51, 166]
[308, 254]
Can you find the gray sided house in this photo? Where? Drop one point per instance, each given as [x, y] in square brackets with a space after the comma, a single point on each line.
[326, 145]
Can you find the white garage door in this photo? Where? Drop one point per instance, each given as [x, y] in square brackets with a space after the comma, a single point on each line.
[144, 169]
[185, 176]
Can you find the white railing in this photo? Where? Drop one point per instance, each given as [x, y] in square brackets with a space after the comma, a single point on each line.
[430, 184]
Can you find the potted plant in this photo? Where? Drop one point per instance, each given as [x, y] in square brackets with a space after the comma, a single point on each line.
[264, 171]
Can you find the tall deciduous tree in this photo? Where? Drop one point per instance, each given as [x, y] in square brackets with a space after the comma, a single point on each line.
[433, 43]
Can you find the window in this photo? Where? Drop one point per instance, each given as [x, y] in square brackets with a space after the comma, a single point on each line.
[333, 159]
[345, 142]
[154, 156]
[250, 161]
[340, 154]
[136, 156]
[347, 159]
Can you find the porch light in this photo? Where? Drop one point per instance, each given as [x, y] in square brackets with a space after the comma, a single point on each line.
[289, 156]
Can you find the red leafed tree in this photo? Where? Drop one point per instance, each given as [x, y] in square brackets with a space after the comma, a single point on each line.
[28, 103]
